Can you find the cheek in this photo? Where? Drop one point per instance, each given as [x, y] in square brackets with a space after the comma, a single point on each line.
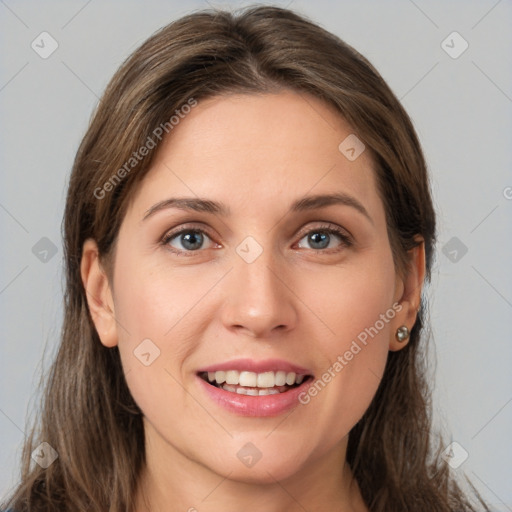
[352, 301]
[356, 309]
[155, 302]
[158, 326]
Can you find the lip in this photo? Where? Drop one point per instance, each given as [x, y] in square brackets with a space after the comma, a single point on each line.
[262, 406]
[267, 365]
[255, 406]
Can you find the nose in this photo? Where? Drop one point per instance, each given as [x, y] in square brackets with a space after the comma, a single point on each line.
[259, 300]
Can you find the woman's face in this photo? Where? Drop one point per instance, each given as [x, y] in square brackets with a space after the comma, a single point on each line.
[258, 278]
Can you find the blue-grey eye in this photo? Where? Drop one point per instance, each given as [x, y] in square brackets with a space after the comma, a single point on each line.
[190, 240]
[319, 240]
[322, 239]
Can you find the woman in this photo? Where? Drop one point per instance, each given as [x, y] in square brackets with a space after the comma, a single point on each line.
[247, 233]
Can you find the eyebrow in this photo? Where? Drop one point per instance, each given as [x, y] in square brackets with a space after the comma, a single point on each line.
[218, 208]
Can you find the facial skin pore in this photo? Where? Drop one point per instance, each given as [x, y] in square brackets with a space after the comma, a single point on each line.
[256, 154]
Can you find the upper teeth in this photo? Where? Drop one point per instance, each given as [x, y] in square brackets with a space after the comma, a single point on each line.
[251, 379]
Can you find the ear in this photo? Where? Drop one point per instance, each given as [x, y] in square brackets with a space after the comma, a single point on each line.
[408, 293]
[98, 292]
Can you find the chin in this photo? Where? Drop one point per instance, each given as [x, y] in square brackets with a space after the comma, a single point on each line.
[262, 473]
[254, 467]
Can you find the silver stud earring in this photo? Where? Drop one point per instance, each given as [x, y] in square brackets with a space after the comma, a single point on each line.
[402, 333]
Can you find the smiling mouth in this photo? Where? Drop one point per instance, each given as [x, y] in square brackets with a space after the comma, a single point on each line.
[254, 384]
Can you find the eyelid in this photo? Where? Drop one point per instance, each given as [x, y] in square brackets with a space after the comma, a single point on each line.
[326, 226]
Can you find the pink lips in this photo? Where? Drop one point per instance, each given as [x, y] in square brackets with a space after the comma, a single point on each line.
[267, 365]
[255, 406]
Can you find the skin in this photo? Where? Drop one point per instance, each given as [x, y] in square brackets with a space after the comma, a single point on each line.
[295, 302]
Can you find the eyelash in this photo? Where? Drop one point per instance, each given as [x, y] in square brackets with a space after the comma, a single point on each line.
[331, 229]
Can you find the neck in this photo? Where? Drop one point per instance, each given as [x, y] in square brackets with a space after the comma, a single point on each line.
[171, 481]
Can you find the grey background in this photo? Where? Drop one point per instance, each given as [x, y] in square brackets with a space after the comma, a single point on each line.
[461, 108]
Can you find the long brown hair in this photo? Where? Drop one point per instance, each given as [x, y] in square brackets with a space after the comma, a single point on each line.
[89, 416]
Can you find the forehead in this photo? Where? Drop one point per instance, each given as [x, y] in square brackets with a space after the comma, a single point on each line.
[258, 150]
